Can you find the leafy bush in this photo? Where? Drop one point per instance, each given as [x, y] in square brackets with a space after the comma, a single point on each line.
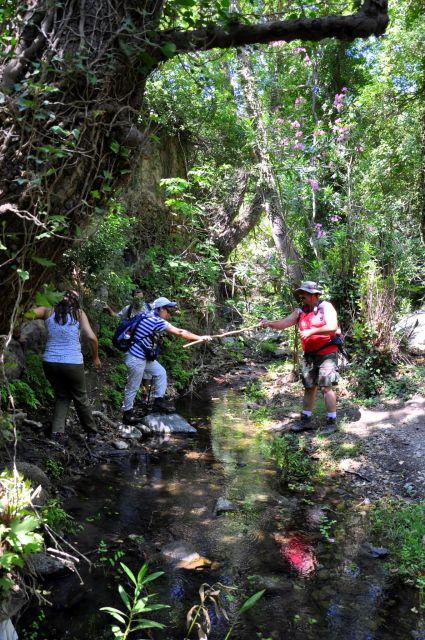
[32, 389]
[57, 518]
[23, 395]
[18, 537]
[35, 378]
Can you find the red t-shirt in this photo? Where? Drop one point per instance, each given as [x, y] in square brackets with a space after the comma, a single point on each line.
[310, 319]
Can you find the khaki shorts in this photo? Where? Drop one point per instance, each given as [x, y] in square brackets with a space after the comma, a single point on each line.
[321, 371]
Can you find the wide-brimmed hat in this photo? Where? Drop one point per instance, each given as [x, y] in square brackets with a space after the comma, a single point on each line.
[163, 302]
[309, 286]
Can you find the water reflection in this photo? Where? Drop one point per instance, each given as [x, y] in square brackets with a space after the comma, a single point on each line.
[314, 589]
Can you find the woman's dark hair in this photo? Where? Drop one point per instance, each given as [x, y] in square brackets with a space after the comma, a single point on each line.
[69, 305]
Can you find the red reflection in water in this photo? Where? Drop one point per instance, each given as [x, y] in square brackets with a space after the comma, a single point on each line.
[298, 552]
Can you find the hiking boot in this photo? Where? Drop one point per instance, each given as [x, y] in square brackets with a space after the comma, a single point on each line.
[330, 426]
[305, 423]
[142, 402]
[160, 405]
[128, 418]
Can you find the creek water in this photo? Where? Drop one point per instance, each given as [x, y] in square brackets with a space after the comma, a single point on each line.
[317, 586]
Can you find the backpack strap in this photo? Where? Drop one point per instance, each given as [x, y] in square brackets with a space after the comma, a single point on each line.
[129, 311]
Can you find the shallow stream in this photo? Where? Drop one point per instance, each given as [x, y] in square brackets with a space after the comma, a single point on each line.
[303, 547]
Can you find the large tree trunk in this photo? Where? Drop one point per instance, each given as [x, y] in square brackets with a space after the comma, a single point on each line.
[72, 84]
[72, 93]
[267, 184]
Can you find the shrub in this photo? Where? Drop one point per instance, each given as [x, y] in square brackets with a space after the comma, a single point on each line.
[18, 537]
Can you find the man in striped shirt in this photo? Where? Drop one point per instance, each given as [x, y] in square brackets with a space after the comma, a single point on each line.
[141, 357]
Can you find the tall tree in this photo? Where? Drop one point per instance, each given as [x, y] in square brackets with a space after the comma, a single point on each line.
[73, 76]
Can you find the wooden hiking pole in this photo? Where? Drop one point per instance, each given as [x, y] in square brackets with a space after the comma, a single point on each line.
[223, 335]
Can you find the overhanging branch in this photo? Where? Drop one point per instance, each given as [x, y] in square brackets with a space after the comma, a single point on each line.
[371, 19]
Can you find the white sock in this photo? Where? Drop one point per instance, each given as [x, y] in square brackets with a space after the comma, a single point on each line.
[307, 413]
[331, 414]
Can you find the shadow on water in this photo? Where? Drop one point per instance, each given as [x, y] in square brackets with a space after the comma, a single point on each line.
[316, 587]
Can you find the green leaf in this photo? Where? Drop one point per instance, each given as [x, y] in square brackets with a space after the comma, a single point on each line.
[169, 49]
[59, 130]
[124, 597]
[115, 147]
[142, 572]
[148, 624]
[24, 275]
[42, 300]
[43, 261]
[129, 573]
[2, 246]
[153, 576]
[248, 604]
[115, 613]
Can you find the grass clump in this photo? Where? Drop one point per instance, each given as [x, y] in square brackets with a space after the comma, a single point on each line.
[401, 527]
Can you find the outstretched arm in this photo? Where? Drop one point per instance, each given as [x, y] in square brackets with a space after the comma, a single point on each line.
[186, 335]
[285, 323]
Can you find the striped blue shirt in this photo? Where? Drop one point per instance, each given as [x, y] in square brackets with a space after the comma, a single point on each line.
[144, 334]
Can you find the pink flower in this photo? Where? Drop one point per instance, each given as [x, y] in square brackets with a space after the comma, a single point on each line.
[298, 101]
[299, 134]
[320, 132]
[295, 124]
[306, 59]
[299, 50]
[335, 218]
[314, 184]
[284, 142]
[276, 43]
[280, 121]
[319, 231]
[298, 146]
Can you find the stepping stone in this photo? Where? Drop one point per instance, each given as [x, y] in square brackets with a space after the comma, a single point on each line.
[166, 423]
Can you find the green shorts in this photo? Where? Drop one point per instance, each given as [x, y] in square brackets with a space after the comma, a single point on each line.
[321, 371]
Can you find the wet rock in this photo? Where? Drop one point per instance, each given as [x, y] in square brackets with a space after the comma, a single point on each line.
[272, 583]
[129, 432]
[120, 444]
[370, 551]
[184, 555]
[12, 605]
[224, 506]
[14, 360]
[281, 353]
[33, 336]
[37, 478]
[42, 564]
[166, 423]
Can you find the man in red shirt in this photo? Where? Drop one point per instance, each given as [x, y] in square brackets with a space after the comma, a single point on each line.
[318, 324]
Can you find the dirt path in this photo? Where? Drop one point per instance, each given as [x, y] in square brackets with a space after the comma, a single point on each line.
[392, 453]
